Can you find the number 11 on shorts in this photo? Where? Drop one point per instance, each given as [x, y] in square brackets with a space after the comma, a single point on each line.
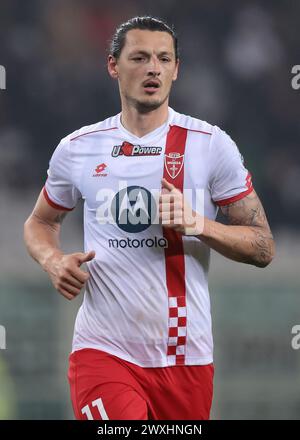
[95, 403]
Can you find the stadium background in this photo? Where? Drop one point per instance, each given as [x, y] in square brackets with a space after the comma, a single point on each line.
[235, 72]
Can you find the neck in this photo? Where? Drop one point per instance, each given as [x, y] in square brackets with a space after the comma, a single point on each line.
[140, 124]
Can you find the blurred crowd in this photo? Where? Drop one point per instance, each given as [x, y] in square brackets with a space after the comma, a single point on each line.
[236, 61]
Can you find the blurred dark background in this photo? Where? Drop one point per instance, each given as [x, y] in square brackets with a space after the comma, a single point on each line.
[235, 72]
[236, 61]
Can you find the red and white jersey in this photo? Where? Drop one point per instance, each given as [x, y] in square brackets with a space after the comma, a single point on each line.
[147, 298]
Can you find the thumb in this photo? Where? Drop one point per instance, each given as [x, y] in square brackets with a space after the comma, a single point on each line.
[167, 185]
[87, 256]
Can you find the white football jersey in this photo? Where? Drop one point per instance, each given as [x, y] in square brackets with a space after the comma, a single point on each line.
[147, 298]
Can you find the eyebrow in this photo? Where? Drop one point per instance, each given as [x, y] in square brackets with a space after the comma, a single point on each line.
[144, 52]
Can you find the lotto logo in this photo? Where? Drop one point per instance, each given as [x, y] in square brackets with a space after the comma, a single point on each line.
[99, 170]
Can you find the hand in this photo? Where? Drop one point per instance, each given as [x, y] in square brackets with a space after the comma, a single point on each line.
[176, 213]
[65, 273]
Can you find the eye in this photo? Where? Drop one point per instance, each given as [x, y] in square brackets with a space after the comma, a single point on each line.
[138, 58]
[165, 59]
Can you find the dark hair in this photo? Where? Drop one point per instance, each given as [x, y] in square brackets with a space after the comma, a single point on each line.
[144, 23]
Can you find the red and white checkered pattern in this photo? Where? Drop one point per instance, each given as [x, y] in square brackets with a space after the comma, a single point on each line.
[177, 330]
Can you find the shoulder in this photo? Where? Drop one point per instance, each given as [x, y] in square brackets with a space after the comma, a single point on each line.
[106, 125]
[223, 145]
[192, 124]
[221, 148]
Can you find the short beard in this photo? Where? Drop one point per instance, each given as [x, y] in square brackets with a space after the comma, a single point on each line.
[144, 107]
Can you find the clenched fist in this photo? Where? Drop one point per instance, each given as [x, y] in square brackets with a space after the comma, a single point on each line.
[65, 273]
[176, 213]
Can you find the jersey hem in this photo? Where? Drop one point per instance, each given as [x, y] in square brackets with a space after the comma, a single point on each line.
[190, 360]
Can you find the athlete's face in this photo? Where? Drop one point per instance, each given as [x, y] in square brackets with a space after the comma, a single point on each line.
[146, 68]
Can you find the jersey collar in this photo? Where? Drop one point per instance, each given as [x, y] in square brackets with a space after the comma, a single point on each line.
[149, 137]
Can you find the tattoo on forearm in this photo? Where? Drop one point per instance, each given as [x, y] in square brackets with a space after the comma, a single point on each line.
[264, 245]
[250, 212]
[242, 213]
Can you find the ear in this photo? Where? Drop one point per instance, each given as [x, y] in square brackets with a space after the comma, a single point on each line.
[112, 67]
[176, 71]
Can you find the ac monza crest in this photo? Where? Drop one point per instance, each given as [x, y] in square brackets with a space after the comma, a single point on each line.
[174, 164]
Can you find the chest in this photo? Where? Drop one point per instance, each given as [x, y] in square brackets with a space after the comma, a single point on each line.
[104, 163]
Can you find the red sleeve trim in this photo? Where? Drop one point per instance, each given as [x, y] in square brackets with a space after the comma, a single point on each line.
[54, 205]
[234, 198]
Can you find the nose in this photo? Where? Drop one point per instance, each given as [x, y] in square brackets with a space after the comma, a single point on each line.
[154, 66]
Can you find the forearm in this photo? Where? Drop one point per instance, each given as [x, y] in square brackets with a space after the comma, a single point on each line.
[246, 244]
[42, 240]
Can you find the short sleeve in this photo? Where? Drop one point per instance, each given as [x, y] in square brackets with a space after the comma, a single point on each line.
[59, 189]
[229, 179]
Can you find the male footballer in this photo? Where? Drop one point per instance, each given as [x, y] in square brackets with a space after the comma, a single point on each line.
[152, 181]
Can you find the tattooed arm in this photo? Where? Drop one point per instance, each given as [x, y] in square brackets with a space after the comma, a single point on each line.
[247, 238]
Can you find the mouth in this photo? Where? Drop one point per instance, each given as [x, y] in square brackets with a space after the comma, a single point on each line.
[151, 86]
